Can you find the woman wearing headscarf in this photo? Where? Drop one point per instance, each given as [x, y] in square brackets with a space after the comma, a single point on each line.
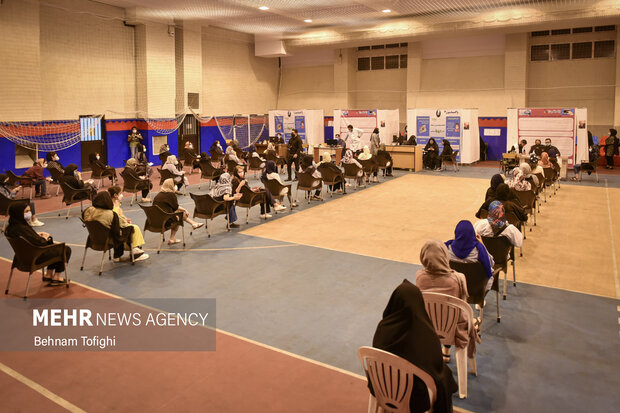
[73, 178]
[216, 148]
[526, 170]
[467, 247]
[438, 277]
[384, 158]
[239, 181]
[511, 203]
[144, 185]
[544, 161]
[232, 156]
[517, 180]
[328, 163]
[406, 331]
[367, 156]
[137, 239]
[11, 193]
[190, 153]
[309, 167]
[53, 162]
[495, 181]
[349, 159]
[375, 141]
[102, 211]
[167, 201]
[271, 172]
[223, 191]
[180, 179]
[495, 225]
[431, 153]
[143, 166]
[611, 148]
[106, 170]
[19, 227]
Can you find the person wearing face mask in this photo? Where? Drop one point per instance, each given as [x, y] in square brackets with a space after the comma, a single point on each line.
[550, 149]
[11, 193]
[430, 159]
[143, 166]
[134, 138]
[53, 162]
[73, 178]
[537, 148]
[180, 179]
[191, 154]
[40, 182]
[168, 202]
[19, 215]
[239, 181]
[106, 170]
[137, 239]
[223, 191]
[144, 185]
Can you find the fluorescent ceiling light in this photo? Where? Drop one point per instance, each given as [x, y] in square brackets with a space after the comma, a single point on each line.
[386, 11]
[308, 20]
[263, 8]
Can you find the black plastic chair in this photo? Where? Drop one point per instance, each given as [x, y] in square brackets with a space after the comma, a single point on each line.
[450, 159]
[331, 177]
[133, 185]
[56, 178]
[208, 172]
[23, 180]
[477, 279]
[100, 239]
[503, 252]
[98, 173]
[528, 200]
[278, 192]
[208, 208]
[26, 256]
[306, 182]
[352, 171]
[255, 164]
[5, 204]
[159, 221]
[250, 199]
[72, 196]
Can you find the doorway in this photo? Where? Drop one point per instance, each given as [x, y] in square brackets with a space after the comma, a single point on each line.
[189, 131]
[92, 136]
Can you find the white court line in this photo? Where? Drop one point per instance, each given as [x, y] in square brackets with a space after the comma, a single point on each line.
[41, 390]
[613, 244]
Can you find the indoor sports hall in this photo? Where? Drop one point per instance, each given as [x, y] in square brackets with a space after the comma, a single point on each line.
[279, 168]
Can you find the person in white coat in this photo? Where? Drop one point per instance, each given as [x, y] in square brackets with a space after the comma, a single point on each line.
[354, 139]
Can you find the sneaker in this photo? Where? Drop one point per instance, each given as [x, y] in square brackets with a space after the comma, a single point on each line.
[46, 196]
[141, 258]
[145, 200]
[36, 223]
[280, 207]
[178, 192]
[233, 225]
[150, 164]
[116, 260]
[265, 216]
[137, 251]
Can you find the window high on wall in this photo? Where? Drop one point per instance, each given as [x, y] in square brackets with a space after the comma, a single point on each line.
[382, 56]
[576, 43]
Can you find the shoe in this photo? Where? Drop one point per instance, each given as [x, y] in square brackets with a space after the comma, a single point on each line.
[265, 216]
[317, 198]
[56, 283]
[199, 225]
[137, 251]
[46, 196]
[36, 223]
[233, 225]
[142, 257]
[280, 208]
[145, 200]
[173, 241]
[178, 192]
[116, 259]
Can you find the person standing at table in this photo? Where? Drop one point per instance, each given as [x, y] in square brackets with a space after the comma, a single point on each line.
[134, 138]
[295, 146]
[354, 138]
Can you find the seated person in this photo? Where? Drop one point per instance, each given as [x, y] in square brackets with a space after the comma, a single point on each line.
[166, 199]
[271, 172]
[239, 181]
[430, 159]
[366, 156]
[216, 148]
[106, 170]
[232, 155]
[145, 184]
[143, 166]
[172, 166]
[406, 331]
[446, 151]
[508, 199]
[164, 151]
[517, 180]
[223, 191]
[545, 162]
[190, 153]
[309, 167]
[257, 156]
[341, 142]
[468, 247]
[137, 240]
[19, 215]
[39, 181]
[526, 170]
[411, 141]
[495, 181]
[73, 178]
[438, 277]
[102, 211]
[349, 159]
[11, 193]
[537, 148]
[53, 162]
[551, 150]
[326, 162]
[495, 225]
[383, 154]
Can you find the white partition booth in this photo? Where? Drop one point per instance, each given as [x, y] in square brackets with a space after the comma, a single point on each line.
[566, 127]
[458, 126]
[387, 120]
[309, 124]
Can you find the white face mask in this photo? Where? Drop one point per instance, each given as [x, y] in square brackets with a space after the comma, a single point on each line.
[120, 196]
[56, 158]
[44, 165]
[28, 216]
[98, 157]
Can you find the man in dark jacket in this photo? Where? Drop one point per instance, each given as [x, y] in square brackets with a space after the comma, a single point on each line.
[537, 148]
[295, 146]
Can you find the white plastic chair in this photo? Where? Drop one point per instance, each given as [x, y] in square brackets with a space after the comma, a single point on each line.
[391, 378]
[445, 312]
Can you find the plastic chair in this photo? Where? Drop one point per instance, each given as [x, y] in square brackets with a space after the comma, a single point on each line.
[250, 199]
[549, 174]
[306, 182]
[450, 158]
[26, 256]
[512, 219]
[391, 378]
[331, 177]
[477, 279]
[255, 164]
[158, 221]
[278, 192]
[98, 173]
[23, 180]
[100, 239]
[208, 208]
[383, 162]
[188, 160]
[588, 167]
[232, 165]
[503, 252]
[369, 166]
[445, 312]
[72, 196]
[528, 200]
[273, 156]
[133, 185]
[208, 172]
[56, 178]
[164, 174]
[352, 171]
[5, 204]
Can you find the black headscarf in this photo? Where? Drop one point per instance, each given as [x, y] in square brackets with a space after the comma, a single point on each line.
[103, 200]
[16, 214]
[613, 132]
[495, 181]
[3, 178]
[270, 167]
[19, 227]
[306, 161]
[92, 158]
[407, 332]
[50, 156]
[70, 169]
[502, 192]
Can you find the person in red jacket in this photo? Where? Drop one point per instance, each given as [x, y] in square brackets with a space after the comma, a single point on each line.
[40, 182]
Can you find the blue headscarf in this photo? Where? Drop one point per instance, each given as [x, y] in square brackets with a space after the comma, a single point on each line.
[465, 241]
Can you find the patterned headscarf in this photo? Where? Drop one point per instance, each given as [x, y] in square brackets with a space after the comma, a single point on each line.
[518, 182]
[348, 156]
[168, 186]
[496, 215]
[223, 186]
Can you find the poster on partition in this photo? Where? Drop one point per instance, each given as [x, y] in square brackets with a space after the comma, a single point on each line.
[366, 120]
[285, 123]
[557, 124]
[439, 124]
